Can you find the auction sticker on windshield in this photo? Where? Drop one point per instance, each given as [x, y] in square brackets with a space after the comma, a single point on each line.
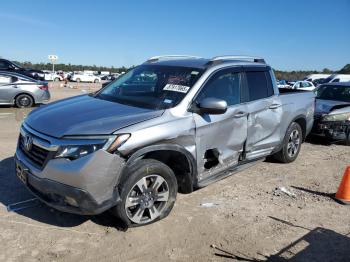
[176, 88]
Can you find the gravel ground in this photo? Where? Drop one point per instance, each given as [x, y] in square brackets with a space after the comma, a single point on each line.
[245, 217]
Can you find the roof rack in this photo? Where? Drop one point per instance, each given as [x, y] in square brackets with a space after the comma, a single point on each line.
[169, 57]
[218, 59]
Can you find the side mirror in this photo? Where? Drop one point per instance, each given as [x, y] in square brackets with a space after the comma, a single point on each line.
[213, 106]
[14, 79]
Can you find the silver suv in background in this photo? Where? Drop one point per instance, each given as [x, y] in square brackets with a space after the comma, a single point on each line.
[172, 124]
[22, 91]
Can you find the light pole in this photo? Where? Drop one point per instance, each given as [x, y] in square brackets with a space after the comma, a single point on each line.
[53, 59]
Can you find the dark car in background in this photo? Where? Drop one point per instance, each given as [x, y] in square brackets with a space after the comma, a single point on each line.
[332, 112]
[9, 66]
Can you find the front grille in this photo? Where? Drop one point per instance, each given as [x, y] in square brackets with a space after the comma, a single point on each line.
[37, 155]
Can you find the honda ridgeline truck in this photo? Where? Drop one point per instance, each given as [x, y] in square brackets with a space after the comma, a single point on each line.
[174, 123]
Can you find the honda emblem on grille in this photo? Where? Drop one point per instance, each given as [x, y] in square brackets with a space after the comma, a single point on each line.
[28, 142]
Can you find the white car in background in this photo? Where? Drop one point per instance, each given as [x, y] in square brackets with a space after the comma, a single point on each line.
[52, 76]
[337, 78]
[304, 85]
[314, 77]
[85, 77]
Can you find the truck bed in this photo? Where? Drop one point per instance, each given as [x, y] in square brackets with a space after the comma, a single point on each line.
[297, 103]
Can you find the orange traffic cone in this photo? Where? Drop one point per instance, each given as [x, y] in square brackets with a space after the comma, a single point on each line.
[343, 193]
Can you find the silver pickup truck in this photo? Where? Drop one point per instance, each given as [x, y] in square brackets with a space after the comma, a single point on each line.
[172, 124]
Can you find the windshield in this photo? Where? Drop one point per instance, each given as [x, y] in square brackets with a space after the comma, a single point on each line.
[338, 93]
[151, 86]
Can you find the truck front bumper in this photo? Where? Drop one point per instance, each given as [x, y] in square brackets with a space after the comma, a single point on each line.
[86, 186]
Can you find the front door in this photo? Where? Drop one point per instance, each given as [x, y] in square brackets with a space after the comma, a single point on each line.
[220, 138]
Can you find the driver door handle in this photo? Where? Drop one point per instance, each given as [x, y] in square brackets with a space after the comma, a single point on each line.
[240, 114]
[274, 106]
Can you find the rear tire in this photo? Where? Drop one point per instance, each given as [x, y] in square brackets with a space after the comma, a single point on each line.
[24, 100]
[96, 81]
[56, 79]
[78, 80]
[291, 144]
[147, 192]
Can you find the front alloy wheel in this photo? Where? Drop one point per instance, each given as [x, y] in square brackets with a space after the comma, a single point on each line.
[147, 191]
[147, 199]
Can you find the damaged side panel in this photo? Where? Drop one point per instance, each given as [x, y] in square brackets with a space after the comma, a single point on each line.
[220, 140]
[179, 131]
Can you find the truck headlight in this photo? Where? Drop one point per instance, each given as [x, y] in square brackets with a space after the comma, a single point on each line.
[75, 152]
[337, 117]
[84, 147]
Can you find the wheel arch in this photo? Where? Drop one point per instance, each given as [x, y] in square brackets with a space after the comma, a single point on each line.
[176, 157]
[23, 93]
[301, 120]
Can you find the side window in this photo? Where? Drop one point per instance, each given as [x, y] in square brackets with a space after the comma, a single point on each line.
[223, 85]
[3, 65]
[259, 85]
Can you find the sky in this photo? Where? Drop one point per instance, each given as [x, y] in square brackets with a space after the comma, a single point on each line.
[290, 35]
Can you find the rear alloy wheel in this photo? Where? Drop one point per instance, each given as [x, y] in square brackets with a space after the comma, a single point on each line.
[148, 194]
[24, 100]
[291, 144]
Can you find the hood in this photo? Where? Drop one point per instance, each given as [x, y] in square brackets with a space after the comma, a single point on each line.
[342, 110]
[326, 106]
[86, 115]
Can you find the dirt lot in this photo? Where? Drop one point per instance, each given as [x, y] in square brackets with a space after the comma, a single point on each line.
[245, 215]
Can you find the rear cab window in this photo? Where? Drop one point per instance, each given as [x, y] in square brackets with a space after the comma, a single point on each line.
[258, 84]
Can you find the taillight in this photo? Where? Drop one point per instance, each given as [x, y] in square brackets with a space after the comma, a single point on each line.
[44, 87]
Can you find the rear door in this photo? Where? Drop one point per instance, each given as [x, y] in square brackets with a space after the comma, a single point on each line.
[220, 138]
[264, 112]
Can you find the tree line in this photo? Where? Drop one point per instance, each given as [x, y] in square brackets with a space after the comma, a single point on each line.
[70, 68]
[287, 75]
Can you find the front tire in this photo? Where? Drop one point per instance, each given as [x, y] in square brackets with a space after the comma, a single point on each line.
[56, 79]
[78, 80]
[24, 100]
[291, 144]
[147, 193]
[96, 81]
